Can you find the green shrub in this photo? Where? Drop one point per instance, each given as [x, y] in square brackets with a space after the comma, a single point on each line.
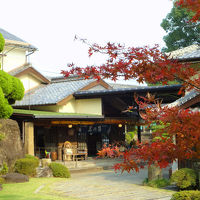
[2, 180]
[26, 166]
[2, 42]
[184, 178]
[158, 183]
[59, 170]
[4, 169]
[33, 158]
[186, 195]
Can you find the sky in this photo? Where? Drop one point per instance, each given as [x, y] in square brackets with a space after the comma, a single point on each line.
[51, 25]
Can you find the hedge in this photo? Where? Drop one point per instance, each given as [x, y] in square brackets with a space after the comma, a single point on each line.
[27, 165]
[184, 178]
[186, 195]
[59, 170]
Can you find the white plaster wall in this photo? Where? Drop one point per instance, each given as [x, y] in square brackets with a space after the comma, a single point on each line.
[89, 106]
[29, 81]
[69, 107]
[83, 106]
[13, 59]
[98, 87]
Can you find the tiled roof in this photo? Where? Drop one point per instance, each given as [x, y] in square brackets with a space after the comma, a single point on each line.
[190, 52]
[192, 55]
[17, 70]
[117, 85]
[52, 93]
[27, 68]
[126, 90]
[188, 96]
[9, 36]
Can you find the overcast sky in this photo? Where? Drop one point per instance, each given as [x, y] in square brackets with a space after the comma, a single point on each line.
[51, 25]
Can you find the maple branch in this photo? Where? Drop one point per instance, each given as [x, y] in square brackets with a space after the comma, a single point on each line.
[191, 84]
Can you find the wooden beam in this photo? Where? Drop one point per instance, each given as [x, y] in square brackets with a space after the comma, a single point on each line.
[65, 100]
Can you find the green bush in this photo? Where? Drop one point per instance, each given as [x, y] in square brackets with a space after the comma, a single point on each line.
[4, 169]
[129, 136]
[2, 42]
[26, 166]
[5, 109]
[2, 180]
[184, 178]
[186, 195]
[33, 158]
[158, 183]
[59, 170]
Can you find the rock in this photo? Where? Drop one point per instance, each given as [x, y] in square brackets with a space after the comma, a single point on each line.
[44, 172]
[46, 162]
[11, 147]
[15, 178]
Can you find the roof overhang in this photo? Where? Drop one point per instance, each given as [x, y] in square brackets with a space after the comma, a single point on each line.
[35, 73]
[34, 114]
[129, 91]
[88, 87]
[20, 44]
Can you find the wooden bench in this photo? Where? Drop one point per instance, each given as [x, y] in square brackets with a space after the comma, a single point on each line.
[77, 152]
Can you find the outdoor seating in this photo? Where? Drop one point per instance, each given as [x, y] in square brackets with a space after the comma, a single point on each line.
[72, 152]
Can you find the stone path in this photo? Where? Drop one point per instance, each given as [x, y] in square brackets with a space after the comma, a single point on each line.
[108, 185]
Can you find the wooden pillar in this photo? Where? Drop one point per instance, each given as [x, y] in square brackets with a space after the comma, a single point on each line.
[139, 133]
[29, 138]
[138, 127]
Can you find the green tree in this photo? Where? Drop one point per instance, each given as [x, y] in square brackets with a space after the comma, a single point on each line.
[11, 89]
[181, 32]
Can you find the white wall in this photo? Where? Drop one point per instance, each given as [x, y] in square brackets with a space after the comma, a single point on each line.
[89, 106]
[80, 106]
[98, 87]
[13, 59]
[69, 107]
[29, 81]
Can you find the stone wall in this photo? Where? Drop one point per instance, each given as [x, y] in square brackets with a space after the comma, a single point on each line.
[11, 146]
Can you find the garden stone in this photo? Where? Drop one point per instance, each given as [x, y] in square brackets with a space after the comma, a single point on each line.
[44, 172]
[46, 162]
[11, 147]
[154, 173]
[15, 178]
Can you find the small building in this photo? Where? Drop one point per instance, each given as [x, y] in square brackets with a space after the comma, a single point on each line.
[85, 112]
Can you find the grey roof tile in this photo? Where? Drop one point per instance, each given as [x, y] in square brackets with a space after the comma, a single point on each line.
[52, 93]
[12, 37]
[118, 85]
[188, 96]
[17, 70]
[127, 90]
[186, 53]
[192, 55]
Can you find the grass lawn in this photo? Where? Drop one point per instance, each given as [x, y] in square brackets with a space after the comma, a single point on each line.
[35, 189]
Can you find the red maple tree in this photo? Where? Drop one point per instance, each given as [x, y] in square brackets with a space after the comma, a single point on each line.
[181, 126]
[192, 5]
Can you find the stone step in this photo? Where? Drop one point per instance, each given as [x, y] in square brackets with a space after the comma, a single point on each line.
[85, 170]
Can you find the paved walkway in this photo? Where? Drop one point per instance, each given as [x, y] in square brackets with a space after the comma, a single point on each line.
[108, 185]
